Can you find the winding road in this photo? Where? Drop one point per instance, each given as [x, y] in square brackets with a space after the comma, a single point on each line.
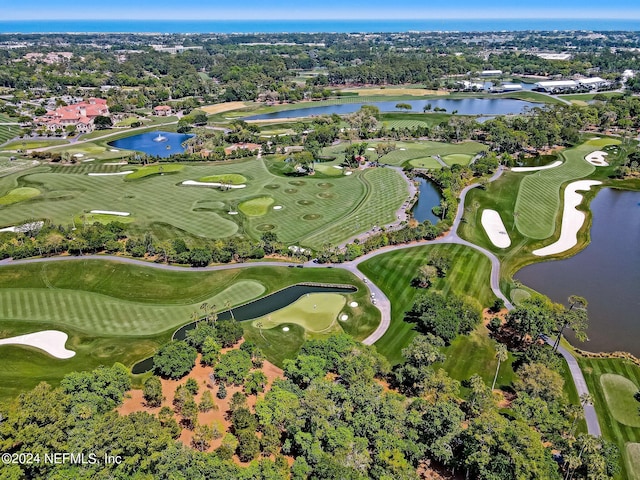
[382, 302]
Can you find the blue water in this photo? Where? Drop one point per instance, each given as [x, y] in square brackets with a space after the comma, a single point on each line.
[313, 26]
[429, 197]
[145, 143]
[464, 106]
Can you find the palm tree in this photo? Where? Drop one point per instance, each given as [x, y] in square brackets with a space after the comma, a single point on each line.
[501, 354]
[575, 319]
[195, 317]
[260, 325]
[227, 305]
[205, 308]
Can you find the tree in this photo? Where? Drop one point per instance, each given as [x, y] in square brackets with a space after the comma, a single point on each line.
[102, 123]
[206, 402]
[175, 359]
[501, 354]
[404, 106]
[248, 445]
[304, 369]
[426, 275]
[192, 386]
[222, 392]
[189, 412]
[575, 318]
[210, 351]
[152, 392]
[255, 383]
[233, 367]
[202, 436]
[167, 420]
[228, 332]
[538, 381]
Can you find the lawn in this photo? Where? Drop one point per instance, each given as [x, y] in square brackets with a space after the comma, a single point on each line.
[150, 170]
[425, 162]
[256, 207]
[19, 195]
[28, 144]
[393, 272]
[408, 151]
[229, 178]
[318, 209]
[119, 312]
[619, 392]
[315, 312]
[623, 434]
[633, 460]
[7, 132]
[538, 202]
[8, 166]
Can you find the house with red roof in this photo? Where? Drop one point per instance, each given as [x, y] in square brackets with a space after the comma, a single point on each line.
[162, 110]
[81, 115]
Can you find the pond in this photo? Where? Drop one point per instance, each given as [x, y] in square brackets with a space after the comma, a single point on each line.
[255, 309]
[464, 106]
[537, 161]
[606, 273]
[161, 144]
[429, 197]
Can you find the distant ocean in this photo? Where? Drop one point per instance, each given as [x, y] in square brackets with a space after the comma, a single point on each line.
[311, 26]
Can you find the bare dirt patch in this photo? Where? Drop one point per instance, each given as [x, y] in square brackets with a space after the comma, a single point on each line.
[223, 107]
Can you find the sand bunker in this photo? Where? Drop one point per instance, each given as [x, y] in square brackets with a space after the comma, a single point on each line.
[210, 184]
[597, 158]
[8, 229]
[403, 149]
[492, 224]
[371, 149]
[344, 317]
[277, 207]
[110, 212]
[114, 150]
[572, 219]
[25, 227]
[353, 304]
[338, 167]
[51, 341]
[232, 213]
[126, 172]
[79, 155]
[114, 163]
[88, 160]
[348, 173]
[555, 164]
[285, 329]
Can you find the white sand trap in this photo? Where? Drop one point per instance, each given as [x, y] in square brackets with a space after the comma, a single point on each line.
[232, 213]
[114, 150]
[277, 207]
[492, 224]
[115, 163]
[126, 172]
[88, 160]
[348, 173]
[344, 317]
[25, 227]
[597, 158]
[353, 304]
[338, 167]
[555, 164]
[51, 341]
[8, 229]
[79, 155]
[572, 219]
[285, 329]
[403, 149]
[193, 183]
[371, 149]
[111, 212]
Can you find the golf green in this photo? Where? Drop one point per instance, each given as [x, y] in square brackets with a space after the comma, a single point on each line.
[619, 392]
[315, 312]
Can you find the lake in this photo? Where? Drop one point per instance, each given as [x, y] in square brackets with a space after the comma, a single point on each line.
[154, 143]
[464, 106]
[429, 197]
[606, 273]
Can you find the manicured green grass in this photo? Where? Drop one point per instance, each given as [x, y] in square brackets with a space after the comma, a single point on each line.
[316, 209]
[457, 159]
[633, 459]
[119, 312]
[90, 218]
[531, 97]
[619, 392]
[7, 132]
[31, 144]
[393, 272]
[426, 162]
[612, 429]
[328, 170]
[8, 166]
[315, 312]
[538, 201]
[256, 207]
[229, 178]
[406, 151]
[602, 141]
[19, 195]
[150, 170]
[276, 345]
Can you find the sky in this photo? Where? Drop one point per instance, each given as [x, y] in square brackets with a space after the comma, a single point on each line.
[324, 9]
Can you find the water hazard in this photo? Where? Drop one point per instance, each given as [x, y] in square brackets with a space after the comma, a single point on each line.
[160, 144]
[606, 273]
[429, 197]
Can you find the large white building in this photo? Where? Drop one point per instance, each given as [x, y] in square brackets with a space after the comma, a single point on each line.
[559, 86]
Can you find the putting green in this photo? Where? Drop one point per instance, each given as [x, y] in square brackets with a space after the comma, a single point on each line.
[457, 159]
[315, 312]
[619, 392]
[153, 170]
[19, 195]
[602, 142]
[329, 170]
[425, 162]
[229, 178]
[256, 207]
[519, 295]
[633, 460]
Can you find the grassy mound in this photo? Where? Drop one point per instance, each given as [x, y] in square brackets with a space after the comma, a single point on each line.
[229, 178]
[619, 392]
[256, 207]
[19, 195]
[315, 312]
[153, 170]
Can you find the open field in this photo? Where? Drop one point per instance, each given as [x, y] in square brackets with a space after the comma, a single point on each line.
[315, 312]
[395, 91]
[318, 210]
[119, 312]
[406, 151]
[28, 144]
[223, 107]
[594, 370]
[393, 272]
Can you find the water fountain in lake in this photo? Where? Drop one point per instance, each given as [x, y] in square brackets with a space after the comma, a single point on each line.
[160, 138]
